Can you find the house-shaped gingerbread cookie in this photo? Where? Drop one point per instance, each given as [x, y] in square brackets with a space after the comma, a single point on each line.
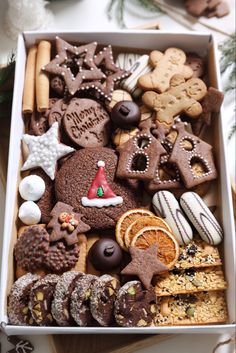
[139, 156]
[193, 157]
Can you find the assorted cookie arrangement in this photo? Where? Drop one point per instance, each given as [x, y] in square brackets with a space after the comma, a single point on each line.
[113, 225]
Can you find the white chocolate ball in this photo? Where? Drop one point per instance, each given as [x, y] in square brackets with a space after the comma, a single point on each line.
[32, 188]
[29, 213]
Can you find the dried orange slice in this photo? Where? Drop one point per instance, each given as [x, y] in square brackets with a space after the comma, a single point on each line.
[168, 247]
[140, 223]
[125, 220]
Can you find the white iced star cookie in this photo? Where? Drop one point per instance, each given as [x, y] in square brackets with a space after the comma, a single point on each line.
[45, 150]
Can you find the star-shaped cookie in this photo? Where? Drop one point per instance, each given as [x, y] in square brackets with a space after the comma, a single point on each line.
[45, 150]
[144, 264]
[87, 69]
[66, 224]
[104, 61]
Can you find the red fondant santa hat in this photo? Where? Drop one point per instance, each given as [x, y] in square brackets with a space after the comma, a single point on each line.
[100, 194]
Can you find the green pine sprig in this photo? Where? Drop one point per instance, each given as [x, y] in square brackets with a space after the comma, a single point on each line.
[228, 66]
[6, 75]
[228, 55]
[116, 8]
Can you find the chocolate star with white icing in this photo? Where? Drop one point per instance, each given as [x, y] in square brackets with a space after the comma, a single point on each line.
[84, 55]
[21, 346]
[66, 224]
[104, 60]
[45, 150]
[144, 264]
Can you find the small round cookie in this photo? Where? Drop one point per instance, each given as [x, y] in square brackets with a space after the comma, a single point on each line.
[102, 299]
[32, 247]
[196, 63]
[60, 307]
[40, 300]
[57, 84]
[32, 188]
[18, 306]
[61, 257]
[202, 218]
[126, 114]
[87, 123]
[80, 299]
[105, 254]
[134, 306]
[121, 136]
[74, 172]
[117, 96]
[29, 213]
[167, 207]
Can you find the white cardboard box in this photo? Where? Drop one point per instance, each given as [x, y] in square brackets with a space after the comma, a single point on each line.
[203, 44]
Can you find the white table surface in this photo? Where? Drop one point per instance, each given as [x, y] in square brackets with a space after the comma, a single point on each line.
[88, 15]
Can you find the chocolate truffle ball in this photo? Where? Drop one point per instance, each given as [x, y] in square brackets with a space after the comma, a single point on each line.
[105, 254]
[126, 114]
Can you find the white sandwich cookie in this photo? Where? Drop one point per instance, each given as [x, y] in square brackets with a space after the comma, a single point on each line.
[139, 68]
[32, 188]
[201, 217]
[167, 207]
[126, 60]
[29, 213]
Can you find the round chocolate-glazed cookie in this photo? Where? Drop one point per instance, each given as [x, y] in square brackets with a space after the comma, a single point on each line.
[87, 123]
[73, 182]
[134, 306]
[61, 301]
[102, 299]
[32, 247]
[18, 306]
[105, 254]
[80, 300]
[40, 301]
[126, 114]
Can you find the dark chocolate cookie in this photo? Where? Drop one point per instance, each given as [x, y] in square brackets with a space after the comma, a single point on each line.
[87, 123]
[57, 112]
[74, 180]
[39, 121]
[48, 200]
[41, 297]
[135, 306]
[80, 300]
[102, 299]
[18, 306]
[196, 63]
[32, 247]
[61, 257]
[58, 85]
[61, 302]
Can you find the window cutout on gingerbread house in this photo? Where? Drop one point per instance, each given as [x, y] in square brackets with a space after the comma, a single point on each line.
[143, 141]
[139, 163]
[187, 144]
[198, 166]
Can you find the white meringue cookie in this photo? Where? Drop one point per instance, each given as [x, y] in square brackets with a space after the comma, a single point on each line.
[32, 188]
[29, 213]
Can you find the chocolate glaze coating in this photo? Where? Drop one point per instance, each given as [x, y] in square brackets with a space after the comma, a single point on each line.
[126, 114]
[105, 254]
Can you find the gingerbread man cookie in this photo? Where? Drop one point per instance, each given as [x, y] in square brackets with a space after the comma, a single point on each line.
[182, 97]
[165, 65]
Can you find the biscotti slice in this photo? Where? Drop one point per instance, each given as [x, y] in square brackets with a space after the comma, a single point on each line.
[189, 281]
[192, 309]
[198, 254]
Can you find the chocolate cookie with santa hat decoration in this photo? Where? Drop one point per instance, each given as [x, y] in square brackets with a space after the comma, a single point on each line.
[87, 182]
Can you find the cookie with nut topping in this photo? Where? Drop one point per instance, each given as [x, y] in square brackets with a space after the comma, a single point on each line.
[102, 299]
[135, 306]
[41, 297]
